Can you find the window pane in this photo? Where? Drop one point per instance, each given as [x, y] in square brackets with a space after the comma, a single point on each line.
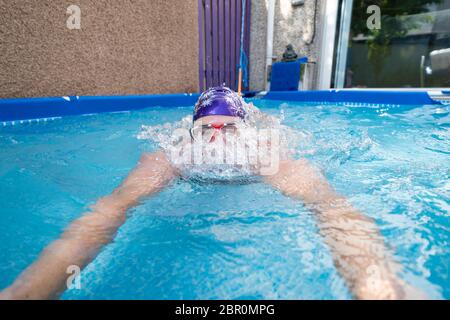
[408, 47]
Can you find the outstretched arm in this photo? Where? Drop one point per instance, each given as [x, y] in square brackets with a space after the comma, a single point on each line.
[357, 246]
[83, 239]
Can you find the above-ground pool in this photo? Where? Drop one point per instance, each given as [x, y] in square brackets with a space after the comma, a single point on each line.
[229, 241]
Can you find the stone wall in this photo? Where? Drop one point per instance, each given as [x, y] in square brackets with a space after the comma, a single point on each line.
[258, 34]
[298, 25]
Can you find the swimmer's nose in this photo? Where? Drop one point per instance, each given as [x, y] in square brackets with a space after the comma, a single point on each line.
[217, 126]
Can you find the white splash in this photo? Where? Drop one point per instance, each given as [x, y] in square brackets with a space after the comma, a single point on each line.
[260, 142]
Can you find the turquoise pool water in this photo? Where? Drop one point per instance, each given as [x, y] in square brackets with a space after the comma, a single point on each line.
[200, 241]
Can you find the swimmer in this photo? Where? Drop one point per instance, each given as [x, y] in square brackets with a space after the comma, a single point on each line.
[357, 247]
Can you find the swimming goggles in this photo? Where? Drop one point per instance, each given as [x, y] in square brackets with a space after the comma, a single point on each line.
[208, 131]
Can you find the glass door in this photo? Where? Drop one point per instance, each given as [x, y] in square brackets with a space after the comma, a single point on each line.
[393, 44]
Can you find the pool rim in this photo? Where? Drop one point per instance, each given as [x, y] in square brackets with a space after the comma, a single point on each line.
[16, 109]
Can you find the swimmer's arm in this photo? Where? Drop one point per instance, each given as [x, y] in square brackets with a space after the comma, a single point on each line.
[357, 246]
[82, 240]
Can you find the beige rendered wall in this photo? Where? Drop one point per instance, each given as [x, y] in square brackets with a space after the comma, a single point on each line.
[123, 47]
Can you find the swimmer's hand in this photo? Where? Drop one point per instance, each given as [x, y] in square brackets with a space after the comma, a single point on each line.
[47, 277]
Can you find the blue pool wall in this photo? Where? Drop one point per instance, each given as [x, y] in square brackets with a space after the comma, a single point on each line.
[38, 108]
[356, 96]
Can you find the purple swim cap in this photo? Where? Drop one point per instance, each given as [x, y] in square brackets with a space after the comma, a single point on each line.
[219, 101]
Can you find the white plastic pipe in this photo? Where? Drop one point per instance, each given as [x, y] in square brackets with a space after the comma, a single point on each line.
[329, 20]
[269, 42]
